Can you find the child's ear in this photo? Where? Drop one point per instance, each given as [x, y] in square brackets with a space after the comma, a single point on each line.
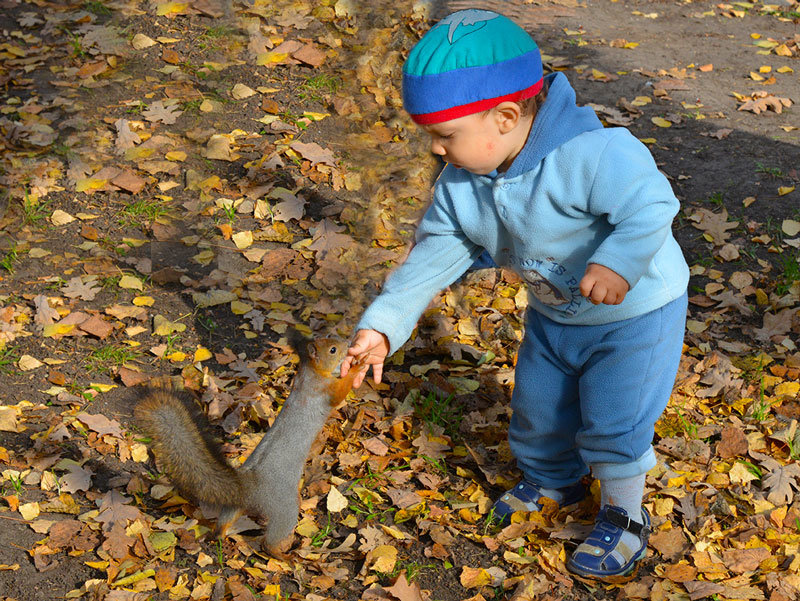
[507, 115]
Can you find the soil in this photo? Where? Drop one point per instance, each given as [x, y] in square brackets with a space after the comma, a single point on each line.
[714, 155]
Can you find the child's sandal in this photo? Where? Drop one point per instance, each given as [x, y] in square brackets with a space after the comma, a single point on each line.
[603, 554]
[525, 496]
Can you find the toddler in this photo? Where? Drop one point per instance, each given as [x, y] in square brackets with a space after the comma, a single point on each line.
[584, 216]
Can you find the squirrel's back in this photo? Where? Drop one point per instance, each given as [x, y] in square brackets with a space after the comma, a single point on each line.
[183, 444]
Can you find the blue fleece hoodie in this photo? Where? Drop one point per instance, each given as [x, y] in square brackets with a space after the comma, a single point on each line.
[576, 194]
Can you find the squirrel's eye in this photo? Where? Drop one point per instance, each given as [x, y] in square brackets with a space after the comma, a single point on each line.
[333, 350]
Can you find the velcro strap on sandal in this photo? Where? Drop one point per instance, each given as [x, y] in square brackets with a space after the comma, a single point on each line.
[620, 520]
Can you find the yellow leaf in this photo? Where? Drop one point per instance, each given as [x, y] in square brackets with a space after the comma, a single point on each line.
[60, 217]
[177, 356]
[647, 140]
[143, 301]
[56, 329]
[661, 122]
[748, 201]
[171, 8]
[27, 363]
[784, 190]
[240, 308]
[785, 69]
[164, 327]
[755, 36]
[316, 116]
[100, 387]
[204, 257]
[782, 50]
[90, 183]
[790, 227]
[242, 239]
[787, 389]
[29, 511]
[755, 76]
[764, 69]
[201, 354]
[240, 91]
[695, 326]
[175, 155]
[335, 501]
[384, 558]
[130, 282]
[271, 58]
[137, 153]
[641, 101]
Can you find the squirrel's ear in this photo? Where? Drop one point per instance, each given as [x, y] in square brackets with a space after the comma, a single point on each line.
[299, 343]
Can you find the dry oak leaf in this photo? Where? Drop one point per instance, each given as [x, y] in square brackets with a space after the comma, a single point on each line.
[744, 560]
[761, 101]
[314, 153]
[669, 543]
[403, 591]
[778, 324]
[780, 481]
[125, 137]
[101, 424]
[713, 224]
[157, 111]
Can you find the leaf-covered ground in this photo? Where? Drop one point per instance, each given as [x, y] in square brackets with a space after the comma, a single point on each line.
[182, 183]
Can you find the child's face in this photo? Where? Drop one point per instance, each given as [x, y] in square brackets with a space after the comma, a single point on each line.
[481, 142]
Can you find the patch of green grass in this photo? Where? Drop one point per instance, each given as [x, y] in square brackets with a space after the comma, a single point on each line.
[8, 260]
[771, 171]
[139, 211]
[439, 410]
[8, 358]
[96, 8]
[34, 211]
[322, 534]
[716, 199]
[219, 31]
[315, 87]
[192, 106]
[136, 108]
[791, 272]
[105, 357]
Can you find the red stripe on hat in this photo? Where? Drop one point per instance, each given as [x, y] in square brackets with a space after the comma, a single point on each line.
[475, 107]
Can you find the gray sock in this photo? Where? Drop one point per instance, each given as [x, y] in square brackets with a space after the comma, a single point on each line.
[625, 493]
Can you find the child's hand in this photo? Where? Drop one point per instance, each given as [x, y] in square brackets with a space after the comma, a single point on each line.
[602, 285]
[370, 347]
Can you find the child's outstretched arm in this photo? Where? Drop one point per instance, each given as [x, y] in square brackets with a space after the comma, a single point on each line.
[371, 348]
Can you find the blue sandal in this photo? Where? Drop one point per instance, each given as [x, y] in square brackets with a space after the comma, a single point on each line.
[603, 555]
[525, 497]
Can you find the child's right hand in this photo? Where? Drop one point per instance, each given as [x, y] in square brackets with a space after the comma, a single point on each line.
[370, 347]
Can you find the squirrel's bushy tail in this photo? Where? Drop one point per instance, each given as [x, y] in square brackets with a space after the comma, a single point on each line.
[183, 445]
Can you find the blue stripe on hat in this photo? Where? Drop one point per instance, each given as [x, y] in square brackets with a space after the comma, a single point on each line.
[440, 91]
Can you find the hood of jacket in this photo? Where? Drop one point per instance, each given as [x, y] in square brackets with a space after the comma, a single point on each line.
[559, 120]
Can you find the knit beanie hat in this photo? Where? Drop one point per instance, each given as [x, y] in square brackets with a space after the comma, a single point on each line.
[470, 61]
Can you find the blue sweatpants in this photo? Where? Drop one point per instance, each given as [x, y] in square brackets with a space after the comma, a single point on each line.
[589, 396]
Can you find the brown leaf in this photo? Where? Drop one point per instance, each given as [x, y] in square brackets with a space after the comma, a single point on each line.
[125, 137]
[744, 560]
[92, 69]
[733, 443]
[168, 55]
[403, 591]
[97, 326]
[310, 55]
[129, 181]
[157, 111]
[314, 153]
[700, 589]
[670, 543]
[680, 572]
[776, 324]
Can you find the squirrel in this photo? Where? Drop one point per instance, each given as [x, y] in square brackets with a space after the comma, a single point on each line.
[266, 485]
